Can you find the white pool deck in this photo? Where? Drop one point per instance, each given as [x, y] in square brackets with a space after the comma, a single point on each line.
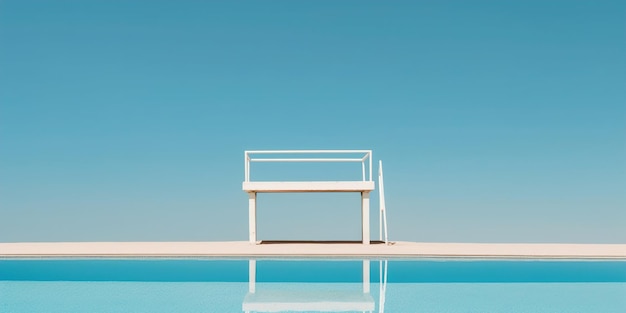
[244, 249]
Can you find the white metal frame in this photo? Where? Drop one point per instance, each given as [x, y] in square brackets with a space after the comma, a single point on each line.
[382, 215]
[365, 186]
[367, 156]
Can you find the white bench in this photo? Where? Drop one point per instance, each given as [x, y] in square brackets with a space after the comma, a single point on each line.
[364, 186]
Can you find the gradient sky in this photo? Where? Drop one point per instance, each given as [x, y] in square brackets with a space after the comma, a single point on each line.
[498, 121]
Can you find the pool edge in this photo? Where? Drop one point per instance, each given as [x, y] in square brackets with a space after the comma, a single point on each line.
[401, 249]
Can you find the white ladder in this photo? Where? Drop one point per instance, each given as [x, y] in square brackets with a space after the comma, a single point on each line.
[382, 218]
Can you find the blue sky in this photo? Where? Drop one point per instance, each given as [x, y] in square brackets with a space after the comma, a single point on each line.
[498, 121]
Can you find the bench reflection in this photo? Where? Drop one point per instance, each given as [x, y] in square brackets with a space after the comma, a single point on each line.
[316, 297]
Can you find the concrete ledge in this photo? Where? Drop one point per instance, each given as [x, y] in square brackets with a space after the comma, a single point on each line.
[245, 249]
[314, 186]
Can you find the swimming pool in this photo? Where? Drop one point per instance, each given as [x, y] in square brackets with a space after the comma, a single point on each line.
[312, 285]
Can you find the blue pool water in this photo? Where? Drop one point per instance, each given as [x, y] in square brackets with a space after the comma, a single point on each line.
[264, 285]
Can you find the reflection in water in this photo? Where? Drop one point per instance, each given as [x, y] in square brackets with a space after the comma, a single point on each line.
[216, 286]
[320, 299]
[382, 285]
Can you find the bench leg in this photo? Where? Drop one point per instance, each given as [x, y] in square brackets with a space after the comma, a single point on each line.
[366, 276]
[365, 216]
[252, 276]
[252, 216]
